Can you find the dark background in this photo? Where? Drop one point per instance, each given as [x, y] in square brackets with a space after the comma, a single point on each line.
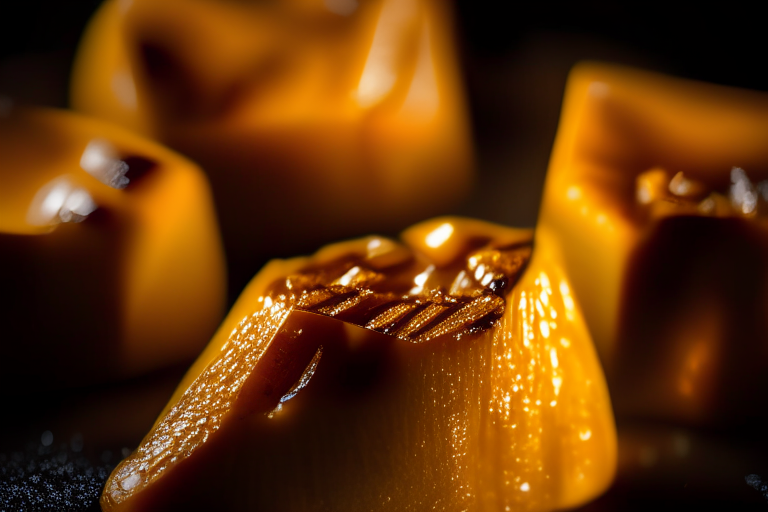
[515, 64]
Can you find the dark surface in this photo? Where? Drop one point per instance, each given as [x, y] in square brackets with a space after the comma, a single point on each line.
[516, 62]
[52, 478]
[57, 448]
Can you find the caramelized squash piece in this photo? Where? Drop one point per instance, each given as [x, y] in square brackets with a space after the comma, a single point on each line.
[448, 372]
[656, 198]
[110, 259]
[343, 116]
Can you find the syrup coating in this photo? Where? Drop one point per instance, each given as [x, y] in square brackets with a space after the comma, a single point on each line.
[358, 380]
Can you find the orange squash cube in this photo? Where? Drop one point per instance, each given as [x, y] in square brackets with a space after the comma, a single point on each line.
[110, 258]
[655, 199]
[445, 372]
[335, 117]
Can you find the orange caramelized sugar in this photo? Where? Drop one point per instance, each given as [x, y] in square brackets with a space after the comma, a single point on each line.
[479, 397]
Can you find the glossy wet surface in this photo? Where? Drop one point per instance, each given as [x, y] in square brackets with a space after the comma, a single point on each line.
[403, 296]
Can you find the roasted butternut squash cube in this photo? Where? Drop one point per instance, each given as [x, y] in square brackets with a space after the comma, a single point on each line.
[447, 371]
[110, 258]
[338, 117]
[655, 196]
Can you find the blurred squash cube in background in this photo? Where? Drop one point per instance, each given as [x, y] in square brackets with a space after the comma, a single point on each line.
[314, 119]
